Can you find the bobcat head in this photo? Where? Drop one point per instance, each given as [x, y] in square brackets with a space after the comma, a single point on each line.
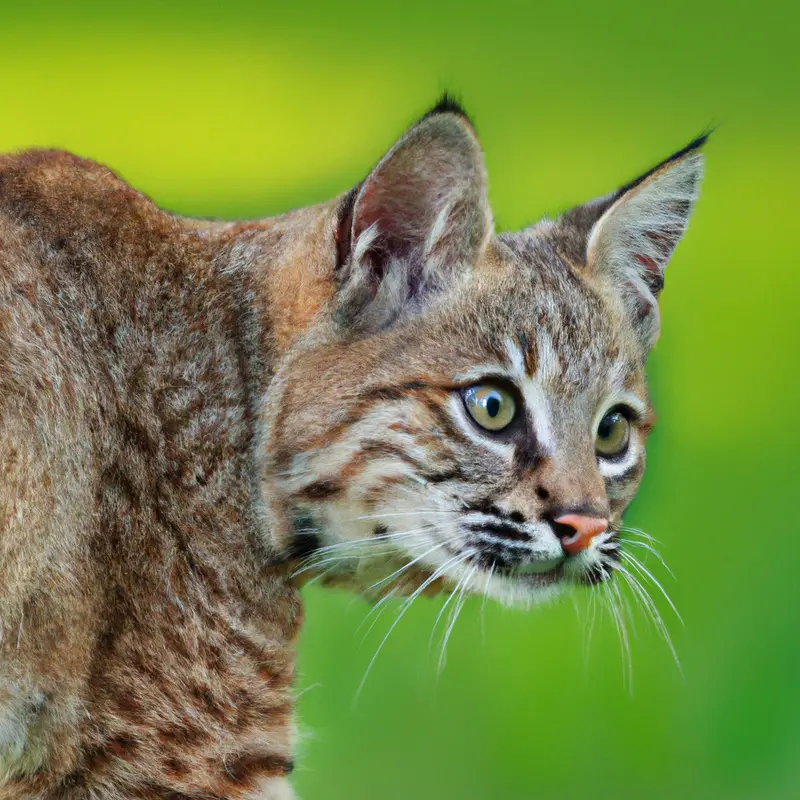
[470, 409]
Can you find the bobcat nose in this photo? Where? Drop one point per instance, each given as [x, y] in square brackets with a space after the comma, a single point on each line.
[576, 531]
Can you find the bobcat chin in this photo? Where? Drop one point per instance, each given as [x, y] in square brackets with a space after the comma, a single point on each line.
[195, 416]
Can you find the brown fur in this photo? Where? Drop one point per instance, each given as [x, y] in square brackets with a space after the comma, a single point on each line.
[146, 638]
[174, 393]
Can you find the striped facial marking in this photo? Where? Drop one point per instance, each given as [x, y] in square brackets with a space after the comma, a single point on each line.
[410, 491]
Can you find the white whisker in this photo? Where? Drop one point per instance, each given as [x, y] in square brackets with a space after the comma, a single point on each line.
[321, 575]
[356, 549]
[624, 607]
[333, 560]
[456, 610]
[446, 603]
[402, 514]
[407, 566]
[454, 560]
[636, 564]
[623, 638]
[367, 539]
[652, 550]
[590, 631]
[382, 604]
[483, 603]
[652, 611]
[640, 532]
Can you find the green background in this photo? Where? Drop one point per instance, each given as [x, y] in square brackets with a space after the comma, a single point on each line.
[247, 109]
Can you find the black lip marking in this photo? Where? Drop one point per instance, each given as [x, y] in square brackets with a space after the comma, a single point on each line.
[446, 475]
[500, 529]
[597, 574]
[493, 556]
[320, 490]
[306, 537]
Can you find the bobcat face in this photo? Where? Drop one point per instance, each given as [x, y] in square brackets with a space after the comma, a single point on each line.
[473, 412]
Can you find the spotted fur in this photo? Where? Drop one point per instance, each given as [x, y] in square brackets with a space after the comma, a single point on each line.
[196, 415]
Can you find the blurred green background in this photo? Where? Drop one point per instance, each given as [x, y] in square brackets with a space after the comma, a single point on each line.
[249, 108]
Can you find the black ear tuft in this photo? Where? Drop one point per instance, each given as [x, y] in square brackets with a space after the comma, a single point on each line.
[695, 144]
[448, 104]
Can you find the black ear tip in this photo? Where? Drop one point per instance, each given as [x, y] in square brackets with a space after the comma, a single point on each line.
[448, 104]
[693, 146]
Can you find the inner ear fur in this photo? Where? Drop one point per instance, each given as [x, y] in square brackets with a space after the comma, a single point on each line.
[417, 222]
[631, 234]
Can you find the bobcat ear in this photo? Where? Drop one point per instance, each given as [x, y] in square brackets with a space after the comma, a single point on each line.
[420, 219]
[640, 226]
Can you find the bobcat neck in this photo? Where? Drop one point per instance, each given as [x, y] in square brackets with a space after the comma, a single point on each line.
[148, 618]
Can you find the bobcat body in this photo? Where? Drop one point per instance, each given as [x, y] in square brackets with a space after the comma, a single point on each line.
[193, 413]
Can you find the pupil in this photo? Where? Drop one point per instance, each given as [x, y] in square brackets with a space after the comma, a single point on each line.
[493, 406]
[607, 426]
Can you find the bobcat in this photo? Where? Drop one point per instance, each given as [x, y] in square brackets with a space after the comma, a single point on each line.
[197, 415]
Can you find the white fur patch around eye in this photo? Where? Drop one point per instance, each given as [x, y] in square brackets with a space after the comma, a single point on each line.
[615, 468]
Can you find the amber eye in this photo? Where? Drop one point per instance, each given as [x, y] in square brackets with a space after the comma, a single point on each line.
[491, 407]
[613, 435]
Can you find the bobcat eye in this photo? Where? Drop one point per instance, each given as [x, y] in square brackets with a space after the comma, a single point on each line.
[491, 407]
[613, 434]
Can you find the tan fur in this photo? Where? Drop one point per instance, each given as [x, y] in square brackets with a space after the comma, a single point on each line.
[179, 398]
[146, 643]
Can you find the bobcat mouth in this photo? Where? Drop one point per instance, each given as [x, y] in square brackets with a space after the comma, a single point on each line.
[542, 572]
[549, 571]
[540, 567]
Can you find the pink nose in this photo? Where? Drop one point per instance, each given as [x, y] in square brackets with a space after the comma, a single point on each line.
[584, 529]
